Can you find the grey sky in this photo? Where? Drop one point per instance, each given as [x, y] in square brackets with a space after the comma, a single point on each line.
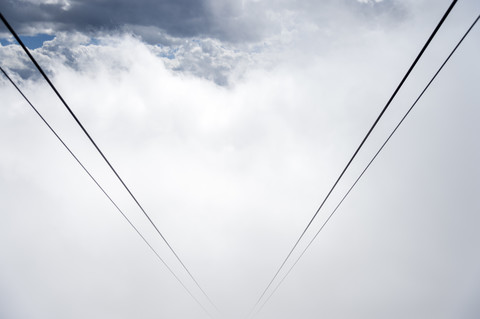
[230, 123]
[233, 21]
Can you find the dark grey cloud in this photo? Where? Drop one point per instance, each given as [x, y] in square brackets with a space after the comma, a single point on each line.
[178, 17]
[183, 18]
[232, 21]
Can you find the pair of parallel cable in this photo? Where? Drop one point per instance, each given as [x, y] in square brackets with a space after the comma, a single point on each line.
[259, 305]
[369, 164]
[17, 38]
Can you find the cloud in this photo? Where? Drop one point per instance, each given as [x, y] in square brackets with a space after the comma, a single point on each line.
[234, 21]
[369, 1]
[206, 55]
[183, 18]
[232, 173]
[210, 39]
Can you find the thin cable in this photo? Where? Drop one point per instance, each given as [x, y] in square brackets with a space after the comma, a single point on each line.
[103, 191]
[12, 31]
[356, 152]
[371, 161]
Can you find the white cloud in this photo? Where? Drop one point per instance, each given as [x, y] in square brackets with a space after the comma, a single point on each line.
[231, 174]
[369, 1]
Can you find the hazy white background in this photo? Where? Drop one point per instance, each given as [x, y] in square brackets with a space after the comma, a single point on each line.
[230, 123]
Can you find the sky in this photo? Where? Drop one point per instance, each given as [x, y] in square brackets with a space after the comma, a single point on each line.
[230, 121]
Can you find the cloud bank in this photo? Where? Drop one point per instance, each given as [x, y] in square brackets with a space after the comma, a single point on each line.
[233, 21]
[230, 142]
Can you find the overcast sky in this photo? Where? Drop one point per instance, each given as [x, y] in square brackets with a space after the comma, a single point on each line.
[230, 121]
